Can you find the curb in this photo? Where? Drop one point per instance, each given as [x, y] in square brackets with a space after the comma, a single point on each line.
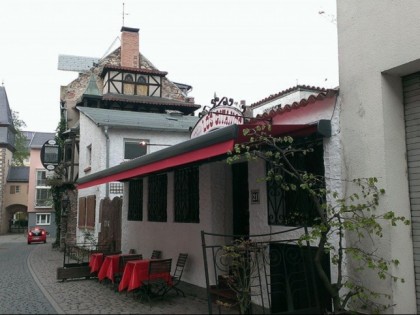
[54, 304]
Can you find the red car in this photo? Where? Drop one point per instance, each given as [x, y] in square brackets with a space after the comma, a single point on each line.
[36, 234]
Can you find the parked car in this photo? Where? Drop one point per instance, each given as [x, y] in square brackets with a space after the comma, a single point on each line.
[37, 234]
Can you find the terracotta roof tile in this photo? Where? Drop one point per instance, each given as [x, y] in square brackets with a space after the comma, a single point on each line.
[278, 110]
[295, 88]
[135, 70]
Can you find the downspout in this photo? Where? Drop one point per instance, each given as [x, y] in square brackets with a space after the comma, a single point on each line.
[105, 129]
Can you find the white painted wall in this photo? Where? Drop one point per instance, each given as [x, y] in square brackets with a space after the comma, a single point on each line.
[173, 238]
[95, 136]
[377, 43]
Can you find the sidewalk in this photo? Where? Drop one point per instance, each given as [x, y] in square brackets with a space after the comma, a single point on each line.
[83, 296]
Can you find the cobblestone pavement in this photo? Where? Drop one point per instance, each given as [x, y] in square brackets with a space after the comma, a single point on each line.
[19, 292]
[88, 296]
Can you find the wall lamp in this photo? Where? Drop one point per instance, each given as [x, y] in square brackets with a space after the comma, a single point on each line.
[144, 143]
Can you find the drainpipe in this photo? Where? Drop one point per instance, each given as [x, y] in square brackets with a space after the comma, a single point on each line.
[105, 129]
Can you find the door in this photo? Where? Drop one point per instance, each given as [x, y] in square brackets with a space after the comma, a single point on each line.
[240, 195]
[110, 219]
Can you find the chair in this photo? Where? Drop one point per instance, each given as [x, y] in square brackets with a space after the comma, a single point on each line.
[177, 275]
[156, 282]
[156, 254]
[123, 261]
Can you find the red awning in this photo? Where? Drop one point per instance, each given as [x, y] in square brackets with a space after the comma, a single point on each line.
[205, 147]
[181, 159]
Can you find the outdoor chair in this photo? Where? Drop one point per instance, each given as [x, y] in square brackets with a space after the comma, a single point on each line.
[156, 282]
[156, 254]
[177, 275]
[123, 261]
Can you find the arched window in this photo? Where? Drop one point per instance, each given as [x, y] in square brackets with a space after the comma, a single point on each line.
[142, 86]
[128, 84]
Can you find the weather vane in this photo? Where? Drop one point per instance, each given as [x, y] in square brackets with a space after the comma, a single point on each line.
[123, 14]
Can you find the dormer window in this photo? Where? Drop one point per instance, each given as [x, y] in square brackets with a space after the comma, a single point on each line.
[131, 81]
[142, 85]
[128, 84]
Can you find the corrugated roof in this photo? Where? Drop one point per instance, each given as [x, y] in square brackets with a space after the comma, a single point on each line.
[139, 120]
[18, 174]
[40, 138]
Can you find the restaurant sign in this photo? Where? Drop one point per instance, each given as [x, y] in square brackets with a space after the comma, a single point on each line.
[50, 155]
[223, 113]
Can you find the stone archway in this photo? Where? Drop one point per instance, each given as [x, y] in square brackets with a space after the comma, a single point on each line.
[19, 215]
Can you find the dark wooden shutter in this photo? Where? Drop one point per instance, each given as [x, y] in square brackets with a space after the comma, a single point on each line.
[90, 211]
[82, 212]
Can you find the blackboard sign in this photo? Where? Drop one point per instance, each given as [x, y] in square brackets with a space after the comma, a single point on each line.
[50, 155]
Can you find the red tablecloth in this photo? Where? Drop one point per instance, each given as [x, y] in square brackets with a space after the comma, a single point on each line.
[95, 261]
[109, 267]
[137, 271]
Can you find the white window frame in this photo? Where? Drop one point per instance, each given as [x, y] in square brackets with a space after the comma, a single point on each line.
[46, 221]
[89, 155]
[41, 184]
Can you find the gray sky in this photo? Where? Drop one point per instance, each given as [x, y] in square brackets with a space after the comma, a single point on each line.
[241, 49]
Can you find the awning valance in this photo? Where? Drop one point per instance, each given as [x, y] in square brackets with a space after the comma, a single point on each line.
[206, 147]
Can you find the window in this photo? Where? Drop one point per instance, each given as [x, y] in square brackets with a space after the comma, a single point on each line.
[89, 155]
[294, 208]
[14, 189]
[135, 200]
[142, 88]
[87, 208]
[43, 192]
[43, 219]
[41, 178]
[128, 84]
[133, 149]
[157, 197]
[116, 188]
[186, 191]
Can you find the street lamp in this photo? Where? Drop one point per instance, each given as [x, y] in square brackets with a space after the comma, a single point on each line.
[144, 143]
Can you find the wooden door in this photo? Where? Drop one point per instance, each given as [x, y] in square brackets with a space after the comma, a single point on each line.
[110, 222]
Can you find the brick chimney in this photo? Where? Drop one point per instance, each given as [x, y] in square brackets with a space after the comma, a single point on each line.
[130, 47]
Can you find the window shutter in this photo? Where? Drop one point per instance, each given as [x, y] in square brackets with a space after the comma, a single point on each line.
[90, 211]
[82, 212]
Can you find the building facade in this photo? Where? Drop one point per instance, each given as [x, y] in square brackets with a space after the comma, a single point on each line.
[7, 147]
[379, 62]
[39, 199]
[172, 195]
[121, 108]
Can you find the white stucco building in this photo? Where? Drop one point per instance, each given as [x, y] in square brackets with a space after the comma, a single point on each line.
[379, 62]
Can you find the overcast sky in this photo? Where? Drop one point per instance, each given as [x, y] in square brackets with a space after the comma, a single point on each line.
[241, 49]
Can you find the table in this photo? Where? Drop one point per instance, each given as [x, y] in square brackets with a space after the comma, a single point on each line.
[110, 266]
[95, 262]
[137, 271]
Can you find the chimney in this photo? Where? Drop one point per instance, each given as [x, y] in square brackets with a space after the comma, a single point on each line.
[130, 47]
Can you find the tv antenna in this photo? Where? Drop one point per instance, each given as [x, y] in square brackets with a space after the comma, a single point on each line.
[123, 14]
